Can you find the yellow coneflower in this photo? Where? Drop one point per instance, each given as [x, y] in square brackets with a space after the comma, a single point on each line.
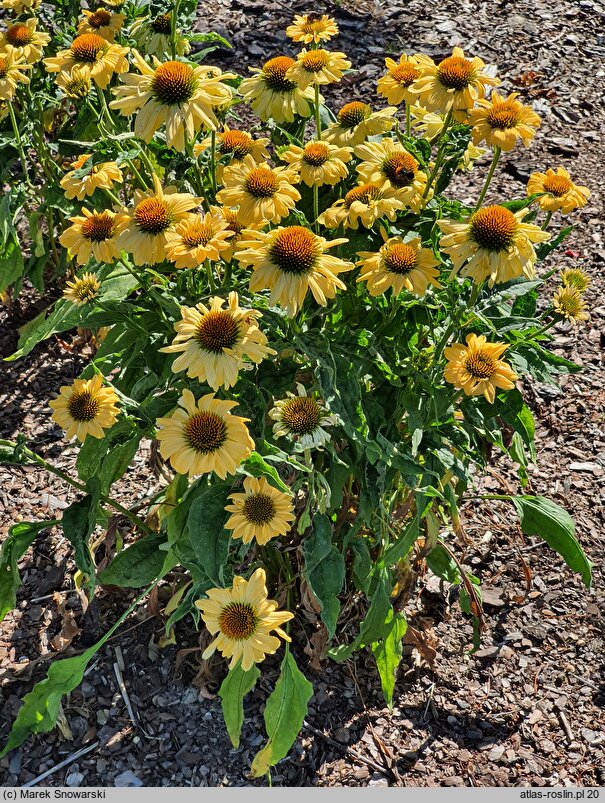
[82, 289]
[356, 121]
[260, 192]
[213, 342]
[237, 145]
[153, 36]
[364, 204]
[575, 278]
[387, 164]
[494, 244]
[400, 265]
[204, 437]
[314, 28]
[469, 157]
[94, 234]
[318, 163]
[429, 124]
[290, 261]
[75, 84]
[318, 67]
[21, 6]
[453, 84]
[303, 419]
[101, 176]
[11, 74]
[260, 513]
[173, 94]
[560, 193]
[101, 21]
[272, 95]
[569, 304]
[91, 55]
[477, 368]
[197, 238]
[242, 619]
[24, 41]
[395, 85]
[85, 408]
[236, 225]
[500, 121]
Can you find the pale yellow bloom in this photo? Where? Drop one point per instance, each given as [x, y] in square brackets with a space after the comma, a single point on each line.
[102, 22]
[24, 41]
[11, 74]
[100, 176]
[94, 234]
[260, 513]
[196, 238]
[560, 191]
[272, 95]
[387, 164]
[399, 265]
[500, 121]
[356, 122]
[364, 204]
[477, 368]
[318, 163]
[308, 28]
[318, 67]
[85, 408]
[152, 36]
[82, 289]
[92, 56]
[395, 86]
[260, 192]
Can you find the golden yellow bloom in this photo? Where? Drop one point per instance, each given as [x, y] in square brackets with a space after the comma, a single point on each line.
[453, 84]
[82, 289]
[318, 67]
[102, 22]
[236, 225]
[364, 204]
[395, 86]
[469, 157]
[290, 261]
[494, 244]
[93, 234]
[314, 28]
[213, 342]
[272, 95]
[303, 419]
[477, 369]
[173, 94]
[21, 6]
[387, 164]
[237, 145]
[318, 163]
[196, 238]
[560, 191]
[11, 74]
[101, 176]
[75, 84]
[500, 121]
[429, 124]
[203, 437]
[243, 618]
[569, 304]
[400, 265]
[152, 36]
[24, 41]
[357, 121]
[260, 192]
[575, 278]
[260, 513]
[85, 408]
[93, 56]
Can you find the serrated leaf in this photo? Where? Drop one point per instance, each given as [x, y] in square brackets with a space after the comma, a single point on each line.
[233, 689]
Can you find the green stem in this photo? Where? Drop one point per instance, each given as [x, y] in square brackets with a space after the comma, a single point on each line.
[173, 28]
[492, 168]
[316, 206]
[408, 120]
[22, 157]
[213, 161]
[105, 108]
[440, 154]
[547, 220]
[210, 276]
[317, 115]
[113, 197]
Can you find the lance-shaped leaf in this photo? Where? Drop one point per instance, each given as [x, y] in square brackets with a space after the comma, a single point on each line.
[387, 654]
[209, 538]
[324, 570]
[233, 689]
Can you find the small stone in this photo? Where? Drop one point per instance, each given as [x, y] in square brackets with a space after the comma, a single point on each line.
[342, 735]
[127, 778]
[378, 780]
[496, 753]
[74, 779]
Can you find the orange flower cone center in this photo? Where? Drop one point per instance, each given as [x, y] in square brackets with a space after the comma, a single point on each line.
[400, 258]
[238, 621]
[405, 74]
[3, 67]
[239, 143]
[88, 47]
[316, 154]
[315, 60]
[259, 508]
[294, 250]
[493, 228]
[161, 24]
[173, 83]
[198, 233]
[83, 406]
[480, 365]
[19, 35]
[152, 216]
[205, 432]
[100, 18]
[353, 113]
[364, 194]
[217, 330]
[503, 115]
[274, 74]
[98, 227]
[557, 185]
[261, 182]
[302, 415]
[455, 72]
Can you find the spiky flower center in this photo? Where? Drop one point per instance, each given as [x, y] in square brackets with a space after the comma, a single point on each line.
[239, 143]
[98, 227]
[302, 415]
[88, 47]
[83, 406]
[316, 154]
[456, 73]
[261, 182]
[504, 115]
[365, 194]
[481, 365]
[315, 60]
[400, 168]
[557, 185]
[173, 83]
[233, 224]
[198, 233]
[405, 74]
[3, 67]
[77, 88]
[493, 228]
[85, 289]
[161, 24]
[259, 508]
[400, 258]
[100, 18]
[274, 74]
[576, 278]
[218, 330]
[19, 35]
[205, 432]
[238, 621]
[152, 215]
[314, 23]
[294, 250]
[568, 303]
[353, 114]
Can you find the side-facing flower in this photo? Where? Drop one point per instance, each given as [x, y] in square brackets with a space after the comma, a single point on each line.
[82, 289]
[272, 95]
[500, 121]
[318, 67]
[569, 304]
[494, 244]
[101, 21]
[75, 84]
[290, 261]
[12, 73]
[303, 419]
[20, 6]
[203, 437]
[236, 225]
[308, 28]
[477, 369]
[260, 513]
[93, 56]
[318, 163]
[85, 408]
[395, 85]
[93, 234]
[100, 176]
[399, 265]
[388, 165]
[243, 619]
[469, 157]
[428, 124]
[24, 41]
[575, 278]
[363, 205]
[213, 342]
[560, 193]
[196, 238]
[260, 192]
[153, 35]
[233, 145]
[356, 121]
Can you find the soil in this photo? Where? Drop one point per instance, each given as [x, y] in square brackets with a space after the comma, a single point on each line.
[528, 707]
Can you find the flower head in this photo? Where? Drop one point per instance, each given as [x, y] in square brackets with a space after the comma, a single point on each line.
[500, 121]
[399, 265]
[85, 408]
[242, 619]
[395, 86]
[235, 224]
[102, 22]
[75, 84]
[272, 95]
[24, 41]
[153, 36]
[260, 192]
[260, 513]
[318, 163]
[560, 193]
[364, 204]
[82, 289]
[569, 304]
[318, 67]
[308, 28]
[356, 121]
[20, 6]
[94, 234]
[12, 73]
[233, 146]
[477, 368]
[575, 278]
[196, 238]
[429, 124]
[303, 419]
[388, 165]
[92, 56]
[100, 176]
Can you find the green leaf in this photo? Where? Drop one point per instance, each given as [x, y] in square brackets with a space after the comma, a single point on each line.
[108, 458]
[284, 715]
[17, 542]
[324, 570]
[11, 263]
[387, 654]
[441, 563]
[209, 539]
[12, 453]
[79, 520]
[542, 517]
[233, 689]
[375, 625]
[139, 564]
[256, 466]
